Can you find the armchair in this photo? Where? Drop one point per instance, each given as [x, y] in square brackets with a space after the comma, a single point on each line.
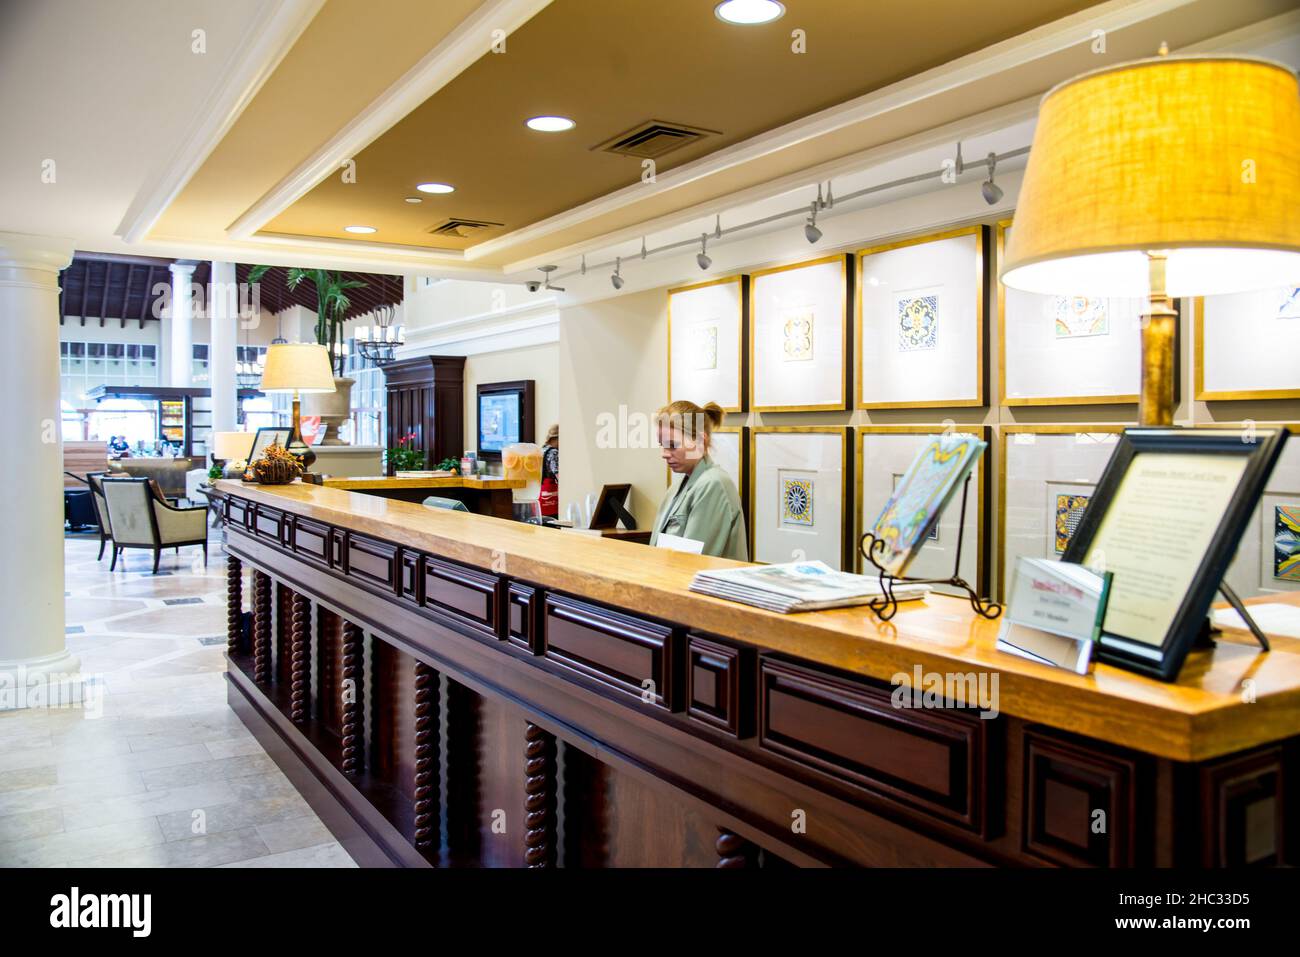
[95, 481]
[139, 517]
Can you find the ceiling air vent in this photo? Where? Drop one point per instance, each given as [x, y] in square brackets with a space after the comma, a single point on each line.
[653, 139]
[462, 228]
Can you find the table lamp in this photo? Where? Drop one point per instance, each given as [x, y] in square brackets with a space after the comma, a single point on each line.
[1162, 178]
[231, 446]
[299, 368]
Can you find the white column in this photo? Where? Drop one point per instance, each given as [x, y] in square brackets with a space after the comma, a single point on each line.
[32, 644]
[181, 374]
[223, 313]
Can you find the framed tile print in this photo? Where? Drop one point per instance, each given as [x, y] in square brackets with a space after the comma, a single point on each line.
[798, 494]
[1268, 559]
[1047, 474]
[799, 337]
[882, 455]
[1247, 344]
[920, 321]
[1066, 350]
[706, 342]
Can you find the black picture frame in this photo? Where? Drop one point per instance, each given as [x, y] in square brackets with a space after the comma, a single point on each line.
[525, 391]
[1262, 447]
[275, 435]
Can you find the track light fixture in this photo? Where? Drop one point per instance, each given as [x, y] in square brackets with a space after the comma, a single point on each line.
[717, 228]
[703, 258]
[584, 264]
[810, 230]
[616, 280]
[991, 190]
[643, 249]
[830, 197]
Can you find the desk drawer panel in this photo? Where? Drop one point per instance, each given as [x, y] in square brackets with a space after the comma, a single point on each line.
[467, 592]
[311, 540]
[371, 561]
[267, 523]
[237, 512]
[929, 759]
[718, 685]
[521, 623]
[615, 649]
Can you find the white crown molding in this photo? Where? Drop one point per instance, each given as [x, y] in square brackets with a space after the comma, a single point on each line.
[531, 331]
[253, 59]
[1006, 55]
[968, 128]
[457, 51]
[1251, 36]
[547, 305]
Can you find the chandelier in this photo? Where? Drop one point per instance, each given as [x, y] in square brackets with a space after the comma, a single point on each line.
[379, 343]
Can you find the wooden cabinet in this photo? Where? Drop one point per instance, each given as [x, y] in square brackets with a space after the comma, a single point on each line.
[426, 396]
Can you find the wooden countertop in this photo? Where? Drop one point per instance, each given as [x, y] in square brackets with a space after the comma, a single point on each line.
[372, 483]
[1207, 713]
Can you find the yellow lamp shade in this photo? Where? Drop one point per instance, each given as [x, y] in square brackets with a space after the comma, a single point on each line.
[1197, 158]
[297, 367]
[232, 446]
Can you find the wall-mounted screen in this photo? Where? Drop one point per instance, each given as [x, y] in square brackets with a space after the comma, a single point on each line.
[505, 416]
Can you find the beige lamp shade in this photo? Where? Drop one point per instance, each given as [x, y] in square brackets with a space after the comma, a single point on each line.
[297, 367]
[1197, 158]
[232, 446]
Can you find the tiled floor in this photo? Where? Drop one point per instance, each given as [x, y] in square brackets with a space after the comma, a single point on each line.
[166, 776]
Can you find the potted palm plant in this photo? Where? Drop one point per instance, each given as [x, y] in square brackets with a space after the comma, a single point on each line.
[332, 304]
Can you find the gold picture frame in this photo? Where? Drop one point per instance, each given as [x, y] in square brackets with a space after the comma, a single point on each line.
[1198, 368]
[980, 232]
[983, 432]
[1003, 399]
[742, 335]
[754, 277]
[846, 471]
[1003, 432]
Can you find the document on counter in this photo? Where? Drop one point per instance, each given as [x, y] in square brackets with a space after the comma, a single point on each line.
[678, 544]
[1273, 618]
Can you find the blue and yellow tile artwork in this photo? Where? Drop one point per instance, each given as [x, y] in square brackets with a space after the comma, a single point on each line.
[1069, 512]
[1286, 542]
[797, 502]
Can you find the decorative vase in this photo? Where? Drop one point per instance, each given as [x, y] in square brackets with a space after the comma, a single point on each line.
[334, 408]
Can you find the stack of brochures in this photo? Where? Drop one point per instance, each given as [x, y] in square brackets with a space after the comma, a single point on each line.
[797, 586]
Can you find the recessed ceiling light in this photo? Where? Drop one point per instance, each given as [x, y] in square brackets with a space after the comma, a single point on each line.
[358, 229]
[414, 199]
[551, 124]
[436, 188]
[747, 12]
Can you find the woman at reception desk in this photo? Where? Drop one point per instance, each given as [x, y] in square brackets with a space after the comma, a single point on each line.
[705, 506]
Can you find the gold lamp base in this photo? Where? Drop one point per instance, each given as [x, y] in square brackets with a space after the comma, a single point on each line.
[1159, 327]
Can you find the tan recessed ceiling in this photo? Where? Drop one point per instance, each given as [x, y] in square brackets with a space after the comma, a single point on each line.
[612, 65]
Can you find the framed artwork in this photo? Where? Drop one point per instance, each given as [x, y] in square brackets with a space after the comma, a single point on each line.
[799, 337]
[1246, 345]
[706, 342]
[882, 456]
[920, 321]
[1268, 560]
[269, 435]
[1047, 475]
[1066, 350]
[1166, 519]
[798, 494]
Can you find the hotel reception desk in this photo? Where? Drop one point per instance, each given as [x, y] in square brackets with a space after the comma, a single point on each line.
[449, 689]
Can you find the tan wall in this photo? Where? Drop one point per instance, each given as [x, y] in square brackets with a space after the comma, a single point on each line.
[612, 353]
[539, 363]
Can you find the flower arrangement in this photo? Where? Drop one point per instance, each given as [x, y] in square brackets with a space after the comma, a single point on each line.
[277, 467]
[406, 457]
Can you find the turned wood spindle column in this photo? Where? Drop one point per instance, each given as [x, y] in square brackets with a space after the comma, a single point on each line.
[300, 659]
[353, 688]
[734, 851]
[539, 797]
[234, 605]
[427, 754]
[261, 627]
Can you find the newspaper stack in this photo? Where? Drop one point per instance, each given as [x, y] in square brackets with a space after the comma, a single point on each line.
[797, 586]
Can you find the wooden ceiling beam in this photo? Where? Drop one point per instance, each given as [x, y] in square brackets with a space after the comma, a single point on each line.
[103, 296]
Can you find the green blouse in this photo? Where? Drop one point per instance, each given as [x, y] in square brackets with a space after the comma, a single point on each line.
[705, 507]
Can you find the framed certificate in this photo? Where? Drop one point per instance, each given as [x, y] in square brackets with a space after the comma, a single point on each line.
[1047, 474]
[799, 337]
[920, 322]
[798, 491]
[706, 342]
[882, 457]
[1166, 520]
[1246, 345]
[1066, 350]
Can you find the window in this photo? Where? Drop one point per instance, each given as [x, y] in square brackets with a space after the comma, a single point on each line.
[84, 366]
